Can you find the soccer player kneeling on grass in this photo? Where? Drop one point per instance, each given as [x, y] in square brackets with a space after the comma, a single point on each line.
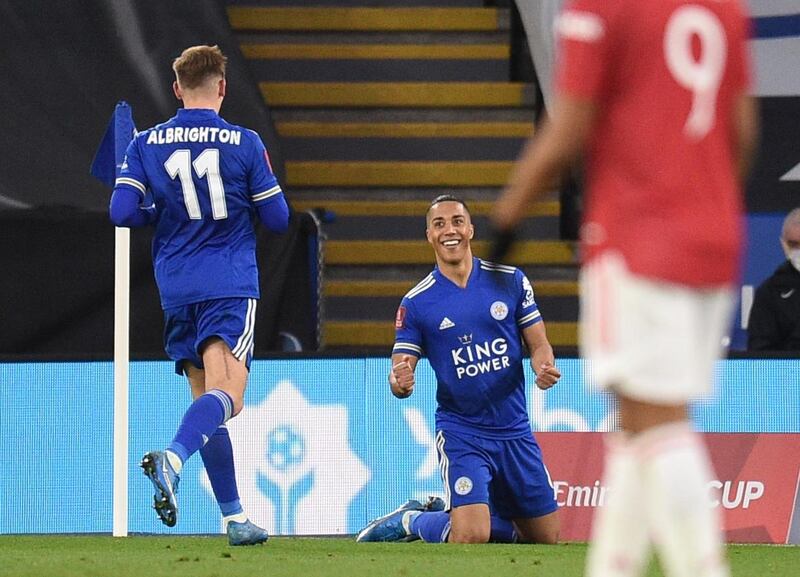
[470, 318]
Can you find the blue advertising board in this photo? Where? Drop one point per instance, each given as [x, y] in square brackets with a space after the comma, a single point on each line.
[321, 446]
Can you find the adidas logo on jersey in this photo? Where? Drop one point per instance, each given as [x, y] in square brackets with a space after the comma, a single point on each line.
[446, 324]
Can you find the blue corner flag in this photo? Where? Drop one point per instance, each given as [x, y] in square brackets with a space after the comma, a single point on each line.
[111, 151]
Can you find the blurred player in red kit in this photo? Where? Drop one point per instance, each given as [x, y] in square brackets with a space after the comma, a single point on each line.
[654, 94]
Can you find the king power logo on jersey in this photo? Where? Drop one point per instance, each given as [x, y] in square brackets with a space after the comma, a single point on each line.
[475, 359]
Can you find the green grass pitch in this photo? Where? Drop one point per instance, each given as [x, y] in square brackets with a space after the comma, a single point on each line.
[149, 556]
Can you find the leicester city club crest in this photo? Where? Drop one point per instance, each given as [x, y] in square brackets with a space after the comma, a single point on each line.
[463, 485]
[499, 310]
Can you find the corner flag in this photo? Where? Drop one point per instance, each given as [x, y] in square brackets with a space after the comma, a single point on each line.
[106, 166]
[111, 151]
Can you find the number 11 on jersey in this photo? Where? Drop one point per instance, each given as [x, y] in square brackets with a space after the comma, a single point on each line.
[180, 164]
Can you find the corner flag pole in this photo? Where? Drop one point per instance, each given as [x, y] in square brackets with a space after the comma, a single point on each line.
[122, 257]
[106, 166]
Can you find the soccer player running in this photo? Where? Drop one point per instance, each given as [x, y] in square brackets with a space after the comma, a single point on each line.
[654, 92]
[208, 179]
[474, 321]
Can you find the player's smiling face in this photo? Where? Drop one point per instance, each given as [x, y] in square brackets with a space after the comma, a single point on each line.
[449, 231]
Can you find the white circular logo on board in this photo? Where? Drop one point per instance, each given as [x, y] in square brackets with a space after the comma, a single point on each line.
[499, 310]
[463, 485]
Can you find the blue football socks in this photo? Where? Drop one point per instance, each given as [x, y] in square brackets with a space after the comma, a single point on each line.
[434, 527]
[201, 420]
[502, 531]
[217, 457]
[431, 526]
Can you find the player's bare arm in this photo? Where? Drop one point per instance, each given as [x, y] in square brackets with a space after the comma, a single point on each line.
[401, 377]
[545, 157]
[746, 125]
[543, 360]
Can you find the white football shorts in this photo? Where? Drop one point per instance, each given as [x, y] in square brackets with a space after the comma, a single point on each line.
[652, 341]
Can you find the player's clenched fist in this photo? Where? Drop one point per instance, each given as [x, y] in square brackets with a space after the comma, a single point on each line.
[401, 378]
[547, 375]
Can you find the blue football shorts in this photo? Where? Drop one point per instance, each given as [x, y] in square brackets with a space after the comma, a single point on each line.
[186, 328]
[506, 474]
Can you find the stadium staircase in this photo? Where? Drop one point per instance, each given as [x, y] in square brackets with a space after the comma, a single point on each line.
[380, 106]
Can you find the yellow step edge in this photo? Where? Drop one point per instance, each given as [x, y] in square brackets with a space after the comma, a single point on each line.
[416, 208]
[302, 129]
[376, 51]
[390, 252]
[397, 289]
[365, 19]
[382, 333]
[397, 173]
[394, 94]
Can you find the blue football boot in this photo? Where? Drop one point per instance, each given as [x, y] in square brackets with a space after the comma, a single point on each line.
[245, 533]
[165, 481]
[396, 526]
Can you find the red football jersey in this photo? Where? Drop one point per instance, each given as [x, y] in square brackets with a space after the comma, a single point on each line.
[661, 173]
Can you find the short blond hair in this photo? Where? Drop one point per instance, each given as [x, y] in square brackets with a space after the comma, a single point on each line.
[197, 64]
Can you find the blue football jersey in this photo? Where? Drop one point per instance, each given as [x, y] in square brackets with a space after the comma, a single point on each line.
[206, 176]
[472, 338]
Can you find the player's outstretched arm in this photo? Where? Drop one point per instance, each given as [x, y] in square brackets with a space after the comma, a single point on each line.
[543, 360]
[545, 157]
[401, 377]
[746, 128]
